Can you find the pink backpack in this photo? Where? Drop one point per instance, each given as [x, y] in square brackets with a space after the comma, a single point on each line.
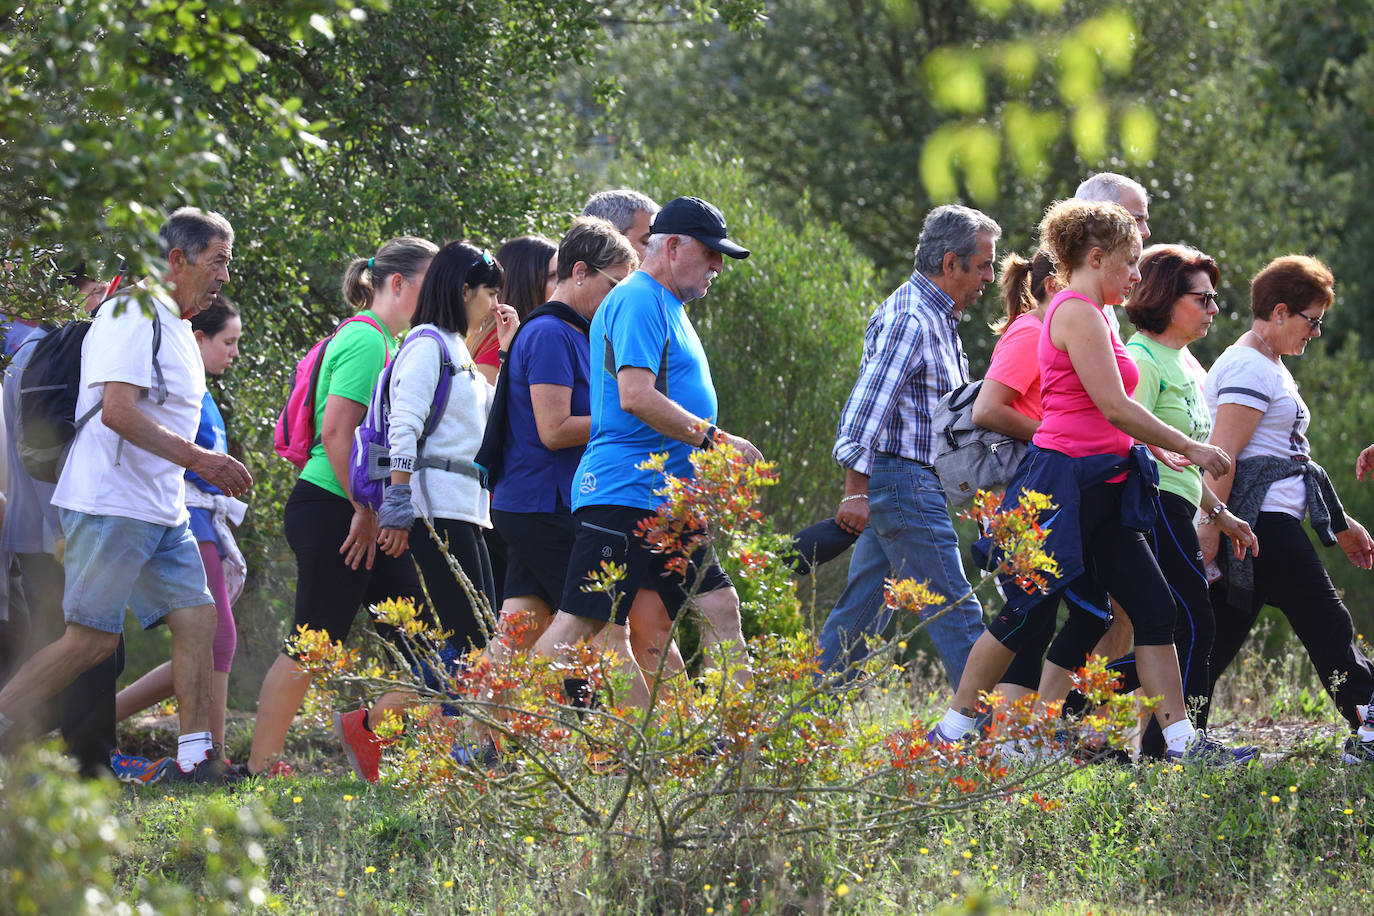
[295, 434]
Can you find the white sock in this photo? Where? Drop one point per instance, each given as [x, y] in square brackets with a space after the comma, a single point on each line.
[1179, 735]
[192, 749]
[955, 725]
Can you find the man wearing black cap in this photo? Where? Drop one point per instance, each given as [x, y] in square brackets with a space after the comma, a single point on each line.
[651, 392]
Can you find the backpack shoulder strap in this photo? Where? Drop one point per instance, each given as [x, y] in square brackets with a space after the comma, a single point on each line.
[442, 389]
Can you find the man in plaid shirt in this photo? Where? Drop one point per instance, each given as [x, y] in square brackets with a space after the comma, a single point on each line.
[893, 500]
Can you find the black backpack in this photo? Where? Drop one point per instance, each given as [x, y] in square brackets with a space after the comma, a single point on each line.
[48, 389]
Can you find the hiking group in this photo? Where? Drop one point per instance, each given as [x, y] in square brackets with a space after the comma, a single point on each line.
[494, 409]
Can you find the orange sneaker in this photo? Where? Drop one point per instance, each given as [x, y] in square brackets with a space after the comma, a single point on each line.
[361, 746]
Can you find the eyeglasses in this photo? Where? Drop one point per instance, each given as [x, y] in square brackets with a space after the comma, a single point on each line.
[1209, 297]
[1313, 324]
[615, 281]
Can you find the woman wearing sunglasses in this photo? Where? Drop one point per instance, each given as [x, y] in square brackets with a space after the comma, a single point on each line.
[1259, 416]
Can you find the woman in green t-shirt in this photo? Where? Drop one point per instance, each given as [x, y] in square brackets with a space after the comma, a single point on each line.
[338, 567]
[1172, 306]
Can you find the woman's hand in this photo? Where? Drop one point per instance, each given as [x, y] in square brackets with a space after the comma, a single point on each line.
[1172, 460]
[1364, 465]
[507, 323]
[394, 541]
[1240, 533]
[1356, 543]
[361, 544]
[1209, 538]
[1209, 458]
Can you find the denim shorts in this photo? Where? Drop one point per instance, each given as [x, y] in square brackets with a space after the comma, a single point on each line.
[113, 563]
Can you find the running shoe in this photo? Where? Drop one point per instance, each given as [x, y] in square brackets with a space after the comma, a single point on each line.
[279, 768]
[139, 771]
[483, 757]
[1357, 751]
[362, 748]
[1210, 752]
[212, 770]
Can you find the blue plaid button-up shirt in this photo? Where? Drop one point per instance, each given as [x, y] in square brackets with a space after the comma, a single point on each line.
[912, 358]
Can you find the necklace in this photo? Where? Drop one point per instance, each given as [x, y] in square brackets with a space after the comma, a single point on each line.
[1264, 343]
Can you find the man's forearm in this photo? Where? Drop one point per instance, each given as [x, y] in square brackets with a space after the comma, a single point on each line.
[665, 416]
[855, 484]
[137, 428]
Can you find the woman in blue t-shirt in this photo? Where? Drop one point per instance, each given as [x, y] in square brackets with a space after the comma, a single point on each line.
[548, 421]
[218, 330]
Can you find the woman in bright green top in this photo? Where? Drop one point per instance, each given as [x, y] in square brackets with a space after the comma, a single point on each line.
[338, 567]
[1172, 306]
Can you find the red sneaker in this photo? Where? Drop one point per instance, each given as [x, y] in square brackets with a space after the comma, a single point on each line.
[362, 747]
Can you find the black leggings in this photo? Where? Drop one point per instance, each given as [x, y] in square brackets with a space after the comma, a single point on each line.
[1175, 544]
[328, 592]
[1121, 560]
[1290, 576]
[451, 604]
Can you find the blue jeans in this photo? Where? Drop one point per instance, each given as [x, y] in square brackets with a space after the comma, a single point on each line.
[909, 535]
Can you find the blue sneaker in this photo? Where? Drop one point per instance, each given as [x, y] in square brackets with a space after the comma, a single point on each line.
[139, 771]
[1210, 752]
[486, 757]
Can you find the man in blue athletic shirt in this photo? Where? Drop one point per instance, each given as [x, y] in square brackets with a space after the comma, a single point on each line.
[651, 392]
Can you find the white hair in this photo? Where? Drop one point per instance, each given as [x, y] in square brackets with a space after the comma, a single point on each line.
[659, 240]
[1107, 187]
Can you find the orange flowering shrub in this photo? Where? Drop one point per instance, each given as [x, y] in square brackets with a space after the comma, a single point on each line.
[527, 746]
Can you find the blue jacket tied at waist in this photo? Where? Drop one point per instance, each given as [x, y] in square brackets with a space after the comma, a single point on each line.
[1064, 478]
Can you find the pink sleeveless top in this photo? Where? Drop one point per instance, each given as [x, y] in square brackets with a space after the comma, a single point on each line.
[1072, 424]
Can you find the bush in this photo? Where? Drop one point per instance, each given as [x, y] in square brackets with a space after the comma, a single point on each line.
[64, 850]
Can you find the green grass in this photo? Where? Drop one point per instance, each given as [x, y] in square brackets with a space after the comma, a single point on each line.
[1141, 839]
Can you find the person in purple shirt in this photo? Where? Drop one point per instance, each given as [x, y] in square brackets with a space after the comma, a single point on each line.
[547, 421]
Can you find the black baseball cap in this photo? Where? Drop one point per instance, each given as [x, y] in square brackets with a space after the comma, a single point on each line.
[703, 222]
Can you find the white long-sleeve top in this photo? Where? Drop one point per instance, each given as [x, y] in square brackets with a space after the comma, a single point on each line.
[438, 493]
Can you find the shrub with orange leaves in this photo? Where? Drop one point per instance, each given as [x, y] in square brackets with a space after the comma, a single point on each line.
[716, 763]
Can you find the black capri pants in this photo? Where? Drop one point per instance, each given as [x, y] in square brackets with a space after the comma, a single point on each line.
[1290, 576]
[328, 592]
[1123, 563]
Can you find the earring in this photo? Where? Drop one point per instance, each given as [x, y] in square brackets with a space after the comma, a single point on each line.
[1280, 321]
[579, 282]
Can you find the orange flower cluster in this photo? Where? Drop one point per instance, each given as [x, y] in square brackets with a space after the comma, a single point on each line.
[722, 497]
[1017, 533]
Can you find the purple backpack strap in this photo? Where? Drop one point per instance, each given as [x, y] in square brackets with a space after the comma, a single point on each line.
[441, 390]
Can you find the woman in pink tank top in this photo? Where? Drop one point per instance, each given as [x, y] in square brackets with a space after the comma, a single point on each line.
[1088, 420]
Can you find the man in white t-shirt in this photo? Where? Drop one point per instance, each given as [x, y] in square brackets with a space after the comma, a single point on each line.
[121, 498]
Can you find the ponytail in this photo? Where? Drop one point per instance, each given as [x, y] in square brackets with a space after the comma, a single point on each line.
[1023, 285]
[404, 255]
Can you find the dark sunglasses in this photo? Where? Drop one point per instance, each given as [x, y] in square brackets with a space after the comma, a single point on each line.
[1209, 297]
[1314, 324]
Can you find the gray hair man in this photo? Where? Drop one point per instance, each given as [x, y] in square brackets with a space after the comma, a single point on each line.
[629, 211]
[886, 443]
[651, 392]
[121, 497]
[1111, 188]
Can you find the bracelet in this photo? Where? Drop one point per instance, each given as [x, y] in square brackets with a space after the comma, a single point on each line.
[1211, 517]
[708, 441]
[863, 496]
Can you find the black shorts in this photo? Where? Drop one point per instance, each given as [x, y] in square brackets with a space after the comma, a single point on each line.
[538, 546]
[610, 533]
[329, 593]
